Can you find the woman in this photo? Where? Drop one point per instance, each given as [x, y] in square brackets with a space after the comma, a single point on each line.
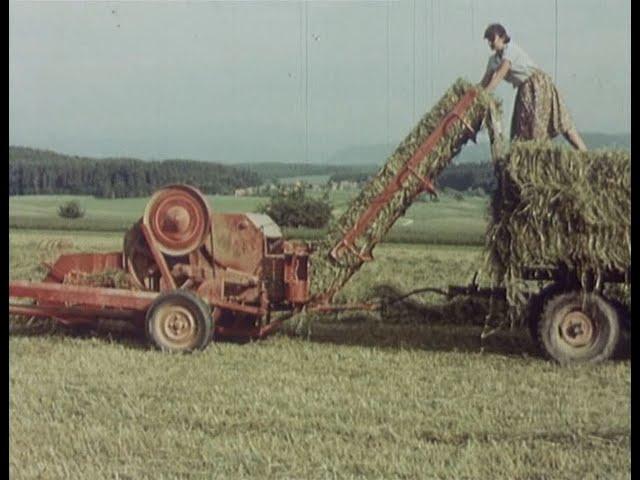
[539, 111]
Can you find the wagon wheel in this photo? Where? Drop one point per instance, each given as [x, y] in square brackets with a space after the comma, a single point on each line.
[535, 307]
[179, 321]
[578, 327]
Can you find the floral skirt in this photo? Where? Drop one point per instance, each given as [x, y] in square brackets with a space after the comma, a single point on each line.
[539, 112]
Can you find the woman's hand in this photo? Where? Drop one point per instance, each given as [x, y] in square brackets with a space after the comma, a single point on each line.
[497, 75]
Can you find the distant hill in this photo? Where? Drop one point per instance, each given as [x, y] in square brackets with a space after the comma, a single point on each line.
[33, 171]
[606, 140]
[378, 154]
[471, 153]
[278, 170]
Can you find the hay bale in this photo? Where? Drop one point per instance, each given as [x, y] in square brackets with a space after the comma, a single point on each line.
[555, 205]
[328, 276]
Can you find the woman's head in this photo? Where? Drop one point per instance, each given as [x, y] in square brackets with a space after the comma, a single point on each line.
[497, 36]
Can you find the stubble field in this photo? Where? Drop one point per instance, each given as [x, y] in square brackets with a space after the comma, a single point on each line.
[411, 394]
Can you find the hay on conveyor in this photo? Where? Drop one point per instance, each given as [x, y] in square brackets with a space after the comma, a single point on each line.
[106, 279]
[554, 205]
[328, 276]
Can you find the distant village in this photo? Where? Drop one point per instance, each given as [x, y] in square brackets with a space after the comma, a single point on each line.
[268, 188]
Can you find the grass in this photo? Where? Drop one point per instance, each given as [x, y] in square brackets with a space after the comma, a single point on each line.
[291, 408]
[407, 395]
[449, 221]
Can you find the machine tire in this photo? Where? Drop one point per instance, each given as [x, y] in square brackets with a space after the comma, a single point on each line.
[623, 313]
[577, 327]
[536, 306]
[179, 321]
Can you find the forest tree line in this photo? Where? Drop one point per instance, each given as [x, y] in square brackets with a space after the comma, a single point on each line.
[39, 172]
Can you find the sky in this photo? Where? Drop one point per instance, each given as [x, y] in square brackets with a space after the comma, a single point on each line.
[241, 81]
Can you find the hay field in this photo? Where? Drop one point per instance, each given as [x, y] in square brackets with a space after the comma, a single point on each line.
[407, 395]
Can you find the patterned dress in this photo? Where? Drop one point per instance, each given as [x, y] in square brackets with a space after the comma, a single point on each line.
[539, 111]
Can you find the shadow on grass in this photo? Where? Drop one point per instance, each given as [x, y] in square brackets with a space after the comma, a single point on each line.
[451, 325]
[438, 337]
[427, 323]
[115, 331]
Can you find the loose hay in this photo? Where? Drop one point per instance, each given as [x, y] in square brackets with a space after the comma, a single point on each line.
[328, 276]
[56, 244]
[558, 206]
[105, 279]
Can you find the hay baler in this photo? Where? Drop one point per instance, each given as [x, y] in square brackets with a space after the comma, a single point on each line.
[187, 274]
[180, 265]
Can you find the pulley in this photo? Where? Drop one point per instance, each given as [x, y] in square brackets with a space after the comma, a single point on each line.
[178, 218]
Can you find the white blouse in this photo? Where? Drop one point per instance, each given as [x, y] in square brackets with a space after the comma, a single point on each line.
[521, 64]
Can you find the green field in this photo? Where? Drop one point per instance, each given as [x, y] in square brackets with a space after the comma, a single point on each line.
[449, 221]
[40, 211]
[409, 394]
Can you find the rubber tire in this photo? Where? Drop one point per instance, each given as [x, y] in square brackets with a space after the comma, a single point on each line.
[623, 314]
[196, 306]
[535, 307]
[606, 328]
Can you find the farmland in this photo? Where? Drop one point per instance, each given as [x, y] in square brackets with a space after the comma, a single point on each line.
[409, 394]
[448, 221]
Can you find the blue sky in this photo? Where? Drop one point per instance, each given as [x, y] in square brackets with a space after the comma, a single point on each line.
[252, 81]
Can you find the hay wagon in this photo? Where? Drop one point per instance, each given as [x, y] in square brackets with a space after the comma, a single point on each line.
[570, 321]
[559, 244]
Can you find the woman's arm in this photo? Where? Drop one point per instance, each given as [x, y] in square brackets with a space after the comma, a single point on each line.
[485, 80]
[491, 82]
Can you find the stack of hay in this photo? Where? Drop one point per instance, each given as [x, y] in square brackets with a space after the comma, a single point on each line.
[555, 205]
[328, 276]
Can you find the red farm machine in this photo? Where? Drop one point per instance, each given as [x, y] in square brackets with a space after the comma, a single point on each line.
[194, 275]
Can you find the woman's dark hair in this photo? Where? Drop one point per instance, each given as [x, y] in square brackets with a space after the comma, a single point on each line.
[496, 29]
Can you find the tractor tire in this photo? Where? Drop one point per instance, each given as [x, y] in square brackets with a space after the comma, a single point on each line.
[535, 307]
[624, 314]
[577, 327]
[179, 321]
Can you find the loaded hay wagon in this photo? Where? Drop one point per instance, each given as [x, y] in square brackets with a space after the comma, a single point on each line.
[562, 218]
[187, 275]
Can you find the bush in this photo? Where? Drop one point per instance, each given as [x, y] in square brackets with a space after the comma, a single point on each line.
[71, 209]
[290, 207]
